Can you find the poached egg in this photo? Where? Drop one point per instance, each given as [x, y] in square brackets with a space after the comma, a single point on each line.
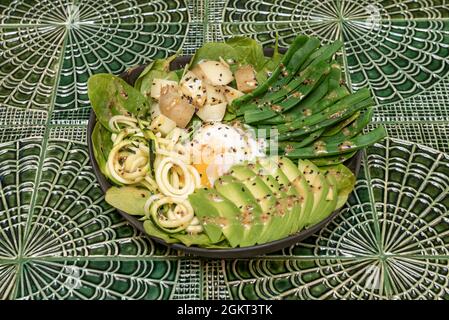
[216, 147]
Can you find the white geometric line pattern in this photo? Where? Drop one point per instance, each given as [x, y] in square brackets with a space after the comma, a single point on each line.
[97, 280]
[28, 66]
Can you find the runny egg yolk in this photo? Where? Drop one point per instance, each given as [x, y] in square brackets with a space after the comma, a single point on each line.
[207, 163]
[202, 168]
[216, 147]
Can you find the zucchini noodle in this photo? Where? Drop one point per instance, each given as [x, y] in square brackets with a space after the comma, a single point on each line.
[117, 138]
[171, 214]
[149, 202]
[174, 177]
[127, 121]
[163, 173]
[195, 226]
[129, 167]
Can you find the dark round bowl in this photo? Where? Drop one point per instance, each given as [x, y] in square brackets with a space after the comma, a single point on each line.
[131, 76]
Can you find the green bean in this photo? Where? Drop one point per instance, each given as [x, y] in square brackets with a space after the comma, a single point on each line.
[346, 106]
[310, 81]
[262, 88]
[339, 126]
[350, 145]
[333, 160]
[287, 146]
[352, 130]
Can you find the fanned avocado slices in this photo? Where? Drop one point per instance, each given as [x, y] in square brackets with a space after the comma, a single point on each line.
[281, 210]
[218, 215]
[331, 199]
[299, 182]
[294, 200]
[263, 195]
[319, 188]
[250, 211]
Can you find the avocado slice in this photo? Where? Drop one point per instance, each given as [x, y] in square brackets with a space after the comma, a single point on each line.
[271, 167]
[299, 182]
[331, 199]
[319, 188]
[128, 199]
[250, 211]
[215, 211]
[207, 214]
[345, 180]
[263, 196]
[281, 210]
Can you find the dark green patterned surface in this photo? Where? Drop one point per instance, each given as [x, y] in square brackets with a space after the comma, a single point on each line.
[60, 240]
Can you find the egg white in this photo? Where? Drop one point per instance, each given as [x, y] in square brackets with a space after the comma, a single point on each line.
[218, 147]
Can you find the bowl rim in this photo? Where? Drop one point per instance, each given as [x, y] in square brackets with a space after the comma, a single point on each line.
[130, 76]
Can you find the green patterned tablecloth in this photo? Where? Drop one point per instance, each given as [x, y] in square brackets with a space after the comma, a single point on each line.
[60, 240]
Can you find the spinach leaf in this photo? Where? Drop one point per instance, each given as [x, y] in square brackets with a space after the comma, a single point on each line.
[213, 51]
[102, 146]
[110, 96]
[158, 69]
[128, 199]
[154, 231]
[193, 239]
[270, 64]
[249, 51]
[157, 65]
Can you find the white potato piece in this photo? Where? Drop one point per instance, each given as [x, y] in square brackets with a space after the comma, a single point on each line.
[231, 94]
[157, 85]
[246, 78]
[214, 95]
[216, 73]
[154, 110]
[198, 72]
[193, 88]
[212, 113]
[175, 107]
[162, 124]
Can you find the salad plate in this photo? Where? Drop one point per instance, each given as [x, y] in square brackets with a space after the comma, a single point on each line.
[334, 124]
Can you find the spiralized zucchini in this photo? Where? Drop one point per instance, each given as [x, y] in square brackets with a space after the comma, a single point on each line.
[171, 214]
[173, 180]
[128, 162]
[127, 121]
[174, 174]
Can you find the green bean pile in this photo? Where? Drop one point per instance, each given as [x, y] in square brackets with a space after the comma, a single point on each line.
[307, 105]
